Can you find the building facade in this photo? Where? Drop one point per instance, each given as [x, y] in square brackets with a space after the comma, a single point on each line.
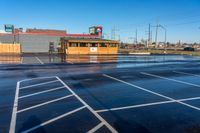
[43, 40]
[88, 46]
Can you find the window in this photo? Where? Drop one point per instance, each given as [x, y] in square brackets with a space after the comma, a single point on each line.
[112, 45]
[94, 45]
[102, 45]
[83, 45]
[73, 45]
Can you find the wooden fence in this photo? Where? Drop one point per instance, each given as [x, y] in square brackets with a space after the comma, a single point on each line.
[10, 49]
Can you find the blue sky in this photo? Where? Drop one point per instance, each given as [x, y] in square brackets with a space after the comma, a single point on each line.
[180, 17]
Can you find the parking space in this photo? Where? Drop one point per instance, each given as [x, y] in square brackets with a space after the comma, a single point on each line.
[101, 92]
[122, 96]
[158, 81]
[35, 110]
[194, 103]
[164, 118]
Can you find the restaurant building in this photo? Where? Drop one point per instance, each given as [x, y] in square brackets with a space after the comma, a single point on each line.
[88, 46]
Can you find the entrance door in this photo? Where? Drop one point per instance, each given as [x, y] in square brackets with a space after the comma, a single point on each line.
[51, 47]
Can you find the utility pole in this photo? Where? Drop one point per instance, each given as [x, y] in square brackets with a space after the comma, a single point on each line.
[199, 29]
[156, 36]
[113, 33]
[119, 37]
[165, 33]
[149, 36]
[136, 36]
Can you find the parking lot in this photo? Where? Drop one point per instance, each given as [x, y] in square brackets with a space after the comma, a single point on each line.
[78, 94]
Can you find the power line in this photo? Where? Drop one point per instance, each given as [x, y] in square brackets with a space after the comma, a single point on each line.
[184, 23]
[113, 33]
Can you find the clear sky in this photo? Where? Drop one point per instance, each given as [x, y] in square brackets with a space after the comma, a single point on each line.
[180, 17]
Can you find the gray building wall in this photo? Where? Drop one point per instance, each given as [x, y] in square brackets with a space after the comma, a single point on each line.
[7, 39]
[34, 43]
[37, 43]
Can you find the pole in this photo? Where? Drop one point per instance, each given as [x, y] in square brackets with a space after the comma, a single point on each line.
[165, 39]
[113, 33]
[119, 37]
[165, 36]
[136, 36]
[149, 36]
[165, 43]
[156, 36]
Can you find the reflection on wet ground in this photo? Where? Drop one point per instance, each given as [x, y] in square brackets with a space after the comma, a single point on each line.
[10, 59]
[74, 59]
[91, 58]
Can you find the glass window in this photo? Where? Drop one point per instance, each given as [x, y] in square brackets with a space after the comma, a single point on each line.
[83, 45]
[94, 45]
[73, 45]
[113, 45]
[102, 45]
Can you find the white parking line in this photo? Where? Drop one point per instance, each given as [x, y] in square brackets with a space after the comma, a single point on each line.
[14, 112]
[178, 81]
[25, 80]
[146, 105]
[39, 60]
[15, 105]
[134, 106]
[90, 108]
[38, 84]
[186, 73]
[22, 59]
[70, 62]
[54, 119]
[93, 130]
[152, 92]
[41, 92]
[42, 104]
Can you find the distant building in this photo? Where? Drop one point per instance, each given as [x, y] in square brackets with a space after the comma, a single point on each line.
[189, 49]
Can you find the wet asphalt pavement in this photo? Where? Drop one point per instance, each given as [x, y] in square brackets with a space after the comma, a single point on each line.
[126, 94]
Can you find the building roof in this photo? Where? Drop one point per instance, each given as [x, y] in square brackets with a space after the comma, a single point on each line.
[46, 31]
[88, 40]
[50, 34]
